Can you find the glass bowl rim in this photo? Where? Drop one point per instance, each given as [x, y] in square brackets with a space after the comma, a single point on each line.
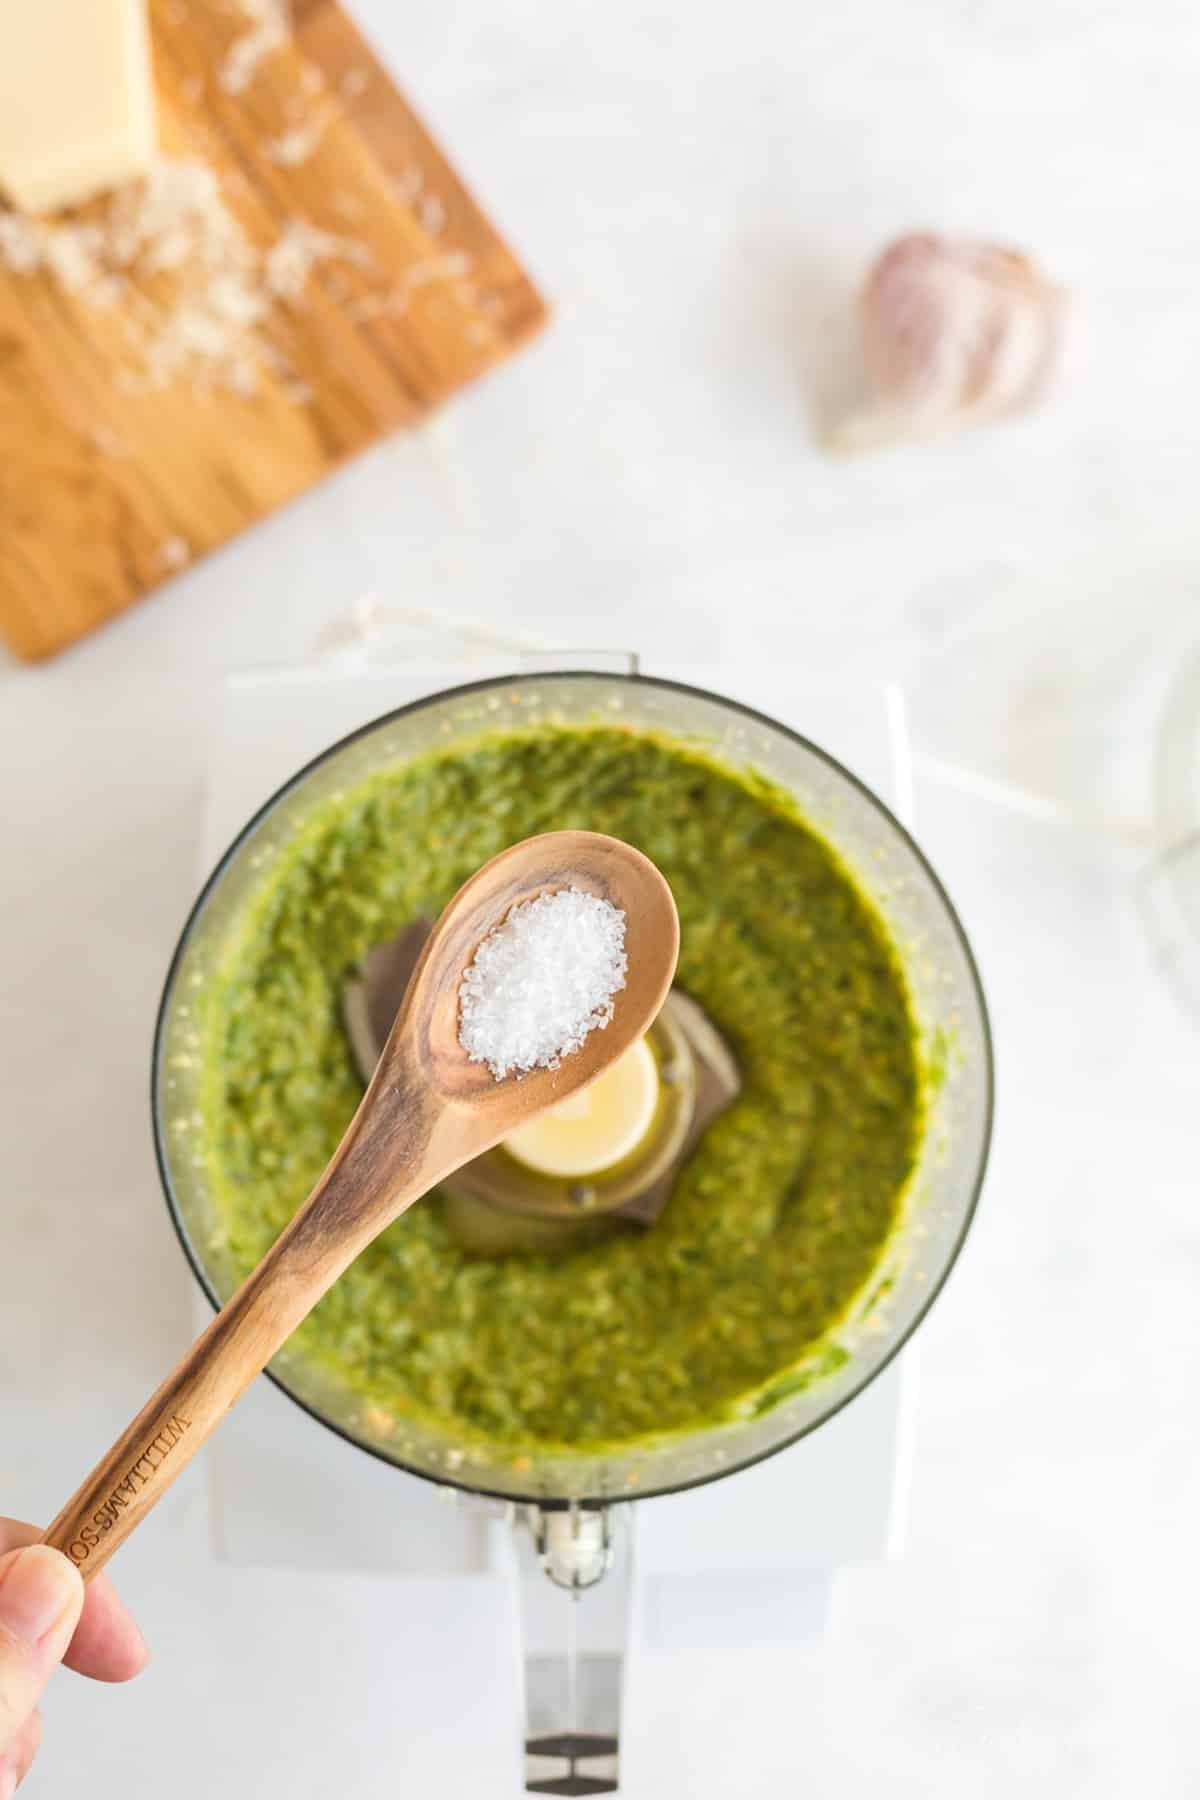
[533, 679]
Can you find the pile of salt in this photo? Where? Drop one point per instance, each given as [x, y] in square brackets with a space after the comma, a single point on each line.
[541, 981]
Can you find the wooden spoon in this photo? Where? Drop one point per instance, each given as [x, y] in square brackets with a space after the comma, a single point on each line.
[427, 1111]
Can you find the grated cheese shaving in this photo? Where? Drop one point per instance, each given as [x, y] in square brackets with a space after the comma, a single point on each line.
[297, 144]
[73, 256]
[107, 443]
[175, 553]
[20, 243]
[293, 257]
[270, 27]
[431, 213]
[205, 288]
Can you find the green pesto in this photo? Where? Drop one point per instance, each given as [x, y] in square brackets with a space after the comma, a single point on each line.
[780, 1215]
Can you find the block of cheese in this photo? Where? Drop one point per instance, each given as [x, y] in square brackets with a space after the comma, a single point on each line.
[76, 99]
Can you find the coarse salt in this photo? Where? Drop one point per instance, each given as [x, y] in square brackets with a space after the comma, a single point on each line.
[541, 981]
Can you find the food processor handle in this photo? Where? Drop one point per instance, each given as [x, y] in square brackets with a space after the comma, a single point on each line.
[573, 1569]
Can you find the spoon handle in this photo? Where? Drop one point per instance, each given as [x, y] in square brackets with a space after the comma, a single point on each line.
[350, 1205]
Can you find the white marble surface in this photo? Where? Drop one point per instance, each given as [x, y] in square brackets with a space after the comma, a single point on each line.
[697, 189]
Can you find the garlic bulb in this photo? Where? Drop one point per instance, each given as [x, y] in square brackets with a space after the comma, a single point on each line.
[954, 333]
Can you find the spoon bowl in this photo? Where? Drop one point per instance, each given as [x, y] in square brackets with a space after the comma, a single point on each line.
[426, 1029]
[428, 1109]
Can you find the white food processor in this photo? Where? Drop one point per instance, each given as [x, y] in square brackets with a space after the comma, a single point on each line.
[570, 1509]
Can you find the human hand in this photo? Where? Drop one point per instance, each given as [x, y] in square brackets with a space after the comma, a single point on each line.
[46, 1619]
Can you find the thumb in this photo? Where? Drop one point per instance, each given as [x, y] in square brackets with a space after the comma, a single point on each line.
[41, 1597]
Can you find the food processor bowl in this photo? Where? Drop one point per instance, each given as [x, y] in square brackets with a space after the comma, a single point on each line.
[948, 1006]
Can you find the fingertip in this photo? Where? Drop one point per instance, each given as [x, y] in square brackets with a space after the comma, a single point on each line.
[41, 1594]
[127, 1659]
[107, 1646]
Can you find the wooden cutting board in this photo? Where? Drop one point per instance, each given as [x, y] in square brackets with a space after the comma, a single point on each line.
[108, 484]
